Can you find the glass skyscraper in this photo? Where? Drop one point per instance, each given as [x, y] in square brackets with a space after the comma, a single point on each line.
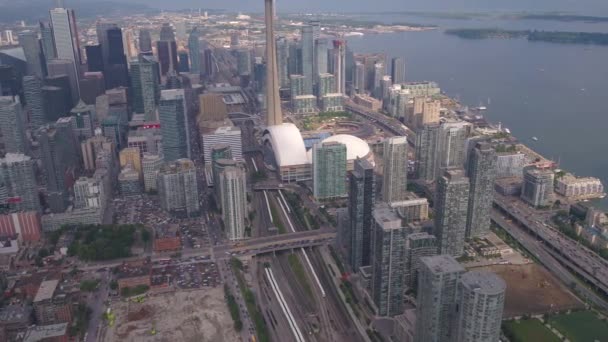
[329, 170]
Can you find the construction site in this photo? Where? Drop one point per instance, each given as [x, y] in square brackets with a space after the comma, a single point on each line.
[532, 290]
[198, 315]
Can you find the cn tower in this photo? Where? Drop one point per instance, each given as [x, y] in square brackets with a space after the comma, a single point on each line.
[273, 102]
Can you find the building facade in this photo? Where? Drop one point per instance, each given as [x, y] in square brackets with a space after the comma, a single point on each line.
[394, 186]
[451, 203]
[361, 199]
[482, 174]
[329, 170]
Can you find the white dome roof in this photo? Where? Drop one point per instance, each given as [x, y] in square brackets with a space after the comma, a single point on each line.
[287, 144]
[355, 147]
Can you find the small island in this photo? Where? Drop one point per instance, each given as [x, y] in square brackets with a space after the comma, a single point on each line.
[590, 38]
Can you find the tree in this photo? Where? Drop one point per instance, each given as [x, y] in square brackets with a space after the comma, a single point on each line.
[145, 236]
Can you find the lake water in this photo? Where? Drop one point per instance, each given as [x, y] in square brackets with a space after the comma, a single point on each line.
[558, 93]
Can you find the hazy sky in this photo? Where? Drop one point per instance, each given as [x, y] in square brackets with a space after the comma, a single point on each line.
[578, 6]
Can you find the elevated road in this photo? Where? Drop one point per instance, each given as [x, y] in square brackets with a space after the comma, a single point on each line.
[578, 258]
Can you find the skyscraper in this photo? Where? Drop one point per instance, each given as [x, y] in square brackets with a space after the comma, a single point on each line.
[361, 198]
[53, 102]
[183, 62]
[226, 135]
[437, 298]
[388, 261]
[32, 92]
[480, 307]
[394, 186]
[326, 84]
[452, 140]
[232, 184]
[64, 67]
[18, 178]
[451, 203]
[65, 34]
[282, 61]
[307, 58]
[145, 42]
[418, 245]
[359, 78]
[482, 174]
[60, 159]
[146, 87]
[178, 189]
[101, 29]
[273, 102]
[117, 73]
[320, 66]
[166, 48]
[48, 42]
[339, 65]
[194, 46]
[173, 114]
[94, 57]
[150, 164]
[32, 48]
[379, 72]
[398, 70]
[12, 126]
[208, 62]
[329, 170]
[66, 98]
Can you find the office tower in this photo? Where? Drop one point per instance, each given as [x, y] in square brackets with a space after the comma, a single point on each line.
[307, 57]
[220, 159]
[60, 160]
[273, 101]
[145, 42]
[243, 59]
[437, 298]
[418, 245]
[12, 126]
[282, 61]
[235, 39]
[194, 46]
[326, 84]
[361, 198]
[145, 87]
[452, 140]
[183, 64]
[89, 193]
[32, 49]
[129, 183]
[329, 170]
[32, 92]
[18, 180]
[227, 135]
[63, 67]
[151, 164]
[359, 78]
[394, 186]
[101, 29]
[174, 125]
[92, 85]
[48, 41]
[451, 203]
[166, 48]
[339, 65]
[82, 123]
[178, 189]
[386, 84]
[67, 43]
[115, 65]
[388, 261]
[65, 34]
[320, 66]
[53, 102]
[129, 44]
[398, 70]
[427, 152]
[429, 112]
[94, 57]
[482, 174]
[480, 307]
[208, 65]
[537, 188]
[232, 184]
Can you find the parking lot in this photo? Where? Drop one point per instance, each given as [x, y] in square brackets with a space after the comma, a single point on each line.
[187, 275]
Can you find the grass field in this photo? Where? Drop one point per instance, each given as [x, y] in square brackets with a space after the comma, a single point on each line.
[581, 326]
[529, 330]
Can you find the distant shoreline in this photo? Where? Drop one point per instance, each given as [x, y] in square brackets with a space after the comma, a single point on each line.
[558, 37]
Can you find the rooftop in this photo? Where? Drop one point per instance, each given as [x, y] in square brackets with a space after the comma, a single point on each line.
[46, 290]
[386, 217]
[287, 144]
[486, 283]
[442, 264]
[42, 332]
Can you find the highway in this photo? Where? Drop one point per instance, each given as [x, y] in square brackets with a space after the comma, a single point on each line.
[540, 251]
[583, 261]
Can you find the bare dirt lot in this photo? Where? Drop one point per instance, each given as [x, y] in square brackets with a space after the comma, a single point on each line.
[531, 289]
[189, 316]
